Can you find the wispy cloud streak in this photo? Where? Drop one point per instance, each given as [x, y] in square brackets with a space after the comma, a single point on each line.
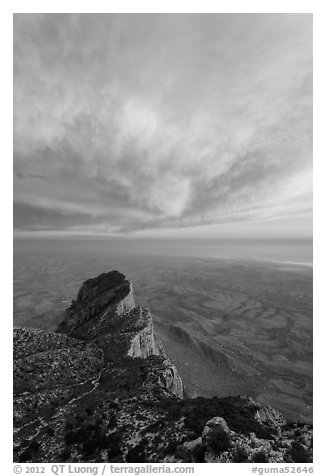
[128, 122]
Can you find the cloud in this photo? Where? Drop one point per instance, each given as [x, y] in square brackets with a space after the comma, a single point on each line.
[130, 122]
[27, 217]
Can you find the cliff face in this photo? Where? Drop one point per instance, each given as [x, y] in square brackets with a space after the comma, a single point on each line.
[145, 342]
[103, 389]
[168, 379]
[104, 311]
[98, 300]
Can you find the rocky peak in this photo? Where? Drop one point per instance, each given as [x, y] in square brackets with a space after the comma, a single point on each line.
[98, 301]
[104, 312]
[93, 287]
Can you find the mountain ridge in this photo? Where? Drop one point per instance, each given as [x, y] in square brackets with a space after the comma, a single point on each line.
[103, 389]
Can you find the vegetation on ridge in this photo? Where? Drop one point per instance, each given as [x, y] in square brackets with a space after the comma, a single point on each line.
[86, 400]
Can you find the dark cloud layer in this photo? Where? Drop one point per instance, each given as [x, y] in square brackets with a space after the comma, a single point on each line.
[133, 122]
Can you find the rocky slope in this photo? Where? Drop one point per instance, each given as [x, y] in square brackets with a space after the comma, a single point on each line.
[103, 389]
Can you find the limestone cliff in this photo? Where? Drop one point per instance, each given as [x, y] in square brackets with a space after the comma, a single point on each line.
[167, 378]
[97, 301]
[105, 311]
[145, 342]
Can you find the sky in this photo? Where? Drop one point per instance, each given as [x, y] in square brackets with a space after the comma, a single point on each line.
[163, 125]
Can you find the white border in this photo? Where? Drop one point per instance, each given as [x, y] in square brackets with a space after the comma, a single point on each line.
[204, 6]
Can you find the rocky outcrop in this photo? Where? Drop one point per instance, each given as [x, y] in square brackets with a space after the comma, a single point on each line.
[270, 417]
[215, 439]
[145, 342]
[216, 435]
[105, 311]
[167, 378]
[173, 381]
[220, 444]
[98, 300]
[194, 451]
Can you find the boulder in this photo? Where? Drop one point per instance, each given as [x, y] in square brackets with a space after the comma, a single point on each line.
[194, 450]
[216, 435]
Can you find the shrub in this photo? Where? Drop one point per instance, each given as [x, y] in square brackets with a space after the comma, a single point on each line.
[240, 454]
[300, 453]
[260, 456]
[26, 456]
[113, 450]
[50, 431]
[135, 455]
[34, 446]
[65, 454]
[69, 425]
[114, 405]
[112, 422]
[171, 447]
